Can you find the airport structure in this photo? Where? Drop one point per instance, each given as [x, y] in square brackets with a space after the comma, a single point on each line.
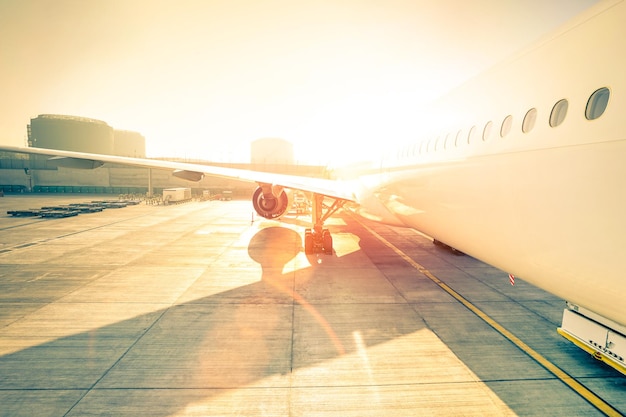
[274, 151]
[71, 133]
[40, 174]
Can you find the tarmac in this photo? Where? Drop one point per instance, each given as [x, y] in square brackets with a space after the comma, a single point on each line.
[203, 309]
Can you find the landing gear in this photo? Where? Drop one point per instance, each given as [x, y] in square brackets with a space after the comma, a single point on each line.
[319, 239]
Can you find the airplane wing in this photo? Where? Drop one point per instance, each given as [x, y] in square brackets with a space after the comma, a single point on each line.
[194, 172]
[270, 200]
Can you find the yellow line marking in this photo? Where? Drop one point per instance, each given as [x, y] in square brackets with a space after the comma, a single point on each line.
[596, 401]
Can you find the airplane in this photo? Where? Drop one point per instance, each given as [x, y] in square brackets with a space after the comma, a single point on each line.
[527, 173]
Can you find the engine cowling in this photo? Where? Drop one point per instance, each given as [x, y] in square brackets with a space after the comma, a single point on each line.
[268, 204]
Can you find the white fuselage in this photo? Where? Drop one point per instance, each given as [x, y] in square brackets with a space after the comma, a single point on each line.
[548, 205]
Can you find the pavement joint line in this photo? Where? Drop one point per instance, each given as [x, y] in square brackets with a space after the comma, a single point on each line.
[563, 376]
[122, 356]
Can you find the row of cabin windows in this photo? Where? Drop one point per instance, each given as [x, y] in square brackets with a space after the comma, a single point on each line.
[596, 106]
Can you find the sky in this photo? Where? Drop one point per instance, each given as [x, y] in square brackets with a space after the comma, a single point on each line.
[203, 78]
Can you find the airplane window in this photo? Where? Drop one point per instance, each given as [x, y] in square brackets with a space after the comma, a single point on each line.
[559, 111]
[597, 103]
[457, 138]
[487, 130]
[506, 125]
[471, 134]
[529, 120]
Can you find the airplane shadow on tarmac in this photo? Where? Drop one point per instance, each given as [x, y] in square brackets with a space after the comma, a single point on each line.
[287, 343]
[254, 337]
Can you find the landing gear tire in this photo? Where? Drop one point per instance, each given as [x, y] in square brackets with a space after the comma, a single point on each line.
[315, 242]
[308, 242]
[327, 242]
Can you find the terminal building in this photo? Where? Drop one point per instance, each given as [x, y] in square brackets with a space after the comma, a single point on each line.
[38, 174]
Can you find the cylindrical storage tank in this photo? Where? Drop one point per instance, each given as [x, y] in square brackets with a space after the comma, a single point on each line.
[128, 143]
[271, 151]
[71, 133]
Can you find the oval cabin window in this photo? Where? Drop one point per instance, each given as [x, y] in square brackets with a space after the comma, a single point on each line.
[471, 134]
[597, 103]
[487, 131]
[447, 141]
[506, 125]
[457, 142]
[559, 111]
[529, 120]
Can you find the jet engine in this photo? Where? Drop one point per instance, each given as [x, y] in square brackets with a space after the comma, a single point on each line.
[270, 202]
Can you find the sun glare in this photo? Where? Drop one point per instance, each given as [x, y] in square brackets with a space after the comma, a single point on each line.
[339, 80]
